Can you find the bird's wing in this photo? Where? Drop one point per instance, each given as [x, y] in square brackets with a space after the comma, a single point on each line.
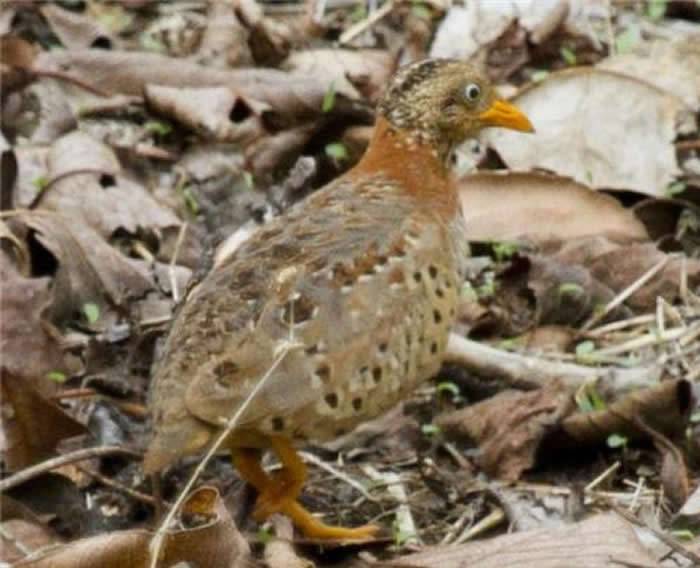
[312, 280]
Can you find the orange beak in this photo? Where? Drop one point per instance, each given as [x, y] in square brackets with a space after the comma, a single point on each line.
[506, 115]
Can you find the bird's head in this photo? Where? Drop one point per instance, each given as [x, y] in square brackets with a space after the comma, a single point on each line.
[442, 102]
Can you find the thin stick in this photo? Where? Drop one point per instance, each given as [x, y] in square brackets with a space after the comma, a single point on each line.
[626, 293]
[493, 519]
[53, 463]
[353, 31]
[109, 482]
[158, 539]
[337, 474]
[598, 480]
[171, 267]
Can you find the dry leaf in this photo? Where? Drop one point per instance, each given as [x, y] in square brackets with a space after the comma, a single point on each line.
[663, 407]
[31, 425]
[88, 270]
[592, 543]
[603, 129]
[622, 266]
[75, 30]
[349, 72]
[214, 542]
[673, 66]
[88, 187]
[215, 113]
[509, 427]
[541, 208]
[28, 346]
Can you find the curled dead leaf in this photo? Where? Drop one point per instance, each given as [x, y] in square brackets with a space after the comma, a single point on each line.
[215, 542]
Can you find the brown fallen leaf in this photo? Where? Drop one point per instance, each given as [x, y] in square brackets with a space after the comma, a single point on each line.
[664, 408]
[509, 427]
[209, 538]
[17, 57]
[593, 543]
[294, 97]
[541, 208]
[622, 266]
[75, 30]
[350, 72]
[21, 530]
[30, 347]
[538, 290]
[214, 113]
[31, 425]
[88, 186]
[587, 135]
[88, 270]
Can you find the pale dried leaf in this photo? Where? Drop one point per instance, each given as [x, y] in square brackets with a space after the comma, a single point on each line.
[541, 208]
[592, 543]
[603, 129]
[671, 66]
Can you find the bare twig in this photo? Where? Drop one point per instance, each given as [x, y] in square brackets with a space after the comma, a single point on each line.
[310, 458]
[353, 31]
[53, 463]
[109, 482]
[526, 370]
[626, 293]
[171, 267]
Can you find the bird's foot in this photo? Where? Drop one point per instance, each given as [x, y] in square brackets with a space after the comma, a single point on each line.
[315, 529]
[276, 497]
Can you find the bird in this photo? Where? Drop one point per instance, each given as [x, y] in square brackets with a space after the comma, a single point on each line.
[342, 305]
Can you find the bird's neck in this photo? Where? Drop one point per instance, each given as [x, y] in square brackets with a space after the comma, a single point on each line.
[419, 165]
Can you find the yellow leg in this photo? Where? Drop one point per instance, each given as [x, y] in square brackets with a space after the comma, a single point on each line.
[278, 494]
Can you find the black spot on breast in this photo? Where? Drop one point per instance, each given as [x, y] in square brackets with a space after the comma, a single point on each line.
[331, 400]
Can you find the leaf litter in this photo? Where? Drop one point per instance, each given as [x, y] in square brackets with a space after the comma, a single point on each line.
[159, 130]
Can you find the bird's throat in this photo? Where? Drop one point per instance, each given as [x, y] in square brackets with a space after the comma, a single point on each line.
[420, 166]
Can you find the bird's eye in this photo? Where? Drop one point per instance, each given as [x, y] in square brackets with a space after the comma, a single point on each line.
[472, 92]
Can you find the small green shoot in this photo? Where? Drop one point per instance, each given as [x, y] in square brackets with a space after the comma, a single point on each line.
[570, 289]
[358, 13]
[468, 294]
[615, 441]
[568, 55]
[40, 183]
[400, 537]
[584, 352]
[92, 312]
[656, 9]
[264, 535]
[190, 200]
[57, 377]
[626, 40]
[337, 151]
[588, 400]
[675, 188]
[504, 250]
[248, 179]
[421, 10]
[449, 387]
[430, 429]
[540, 75]
[329, 98]
[158, 128]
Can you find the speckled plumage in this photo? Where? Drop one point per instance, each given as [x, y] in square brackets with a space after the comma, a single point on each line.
[364, 275]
